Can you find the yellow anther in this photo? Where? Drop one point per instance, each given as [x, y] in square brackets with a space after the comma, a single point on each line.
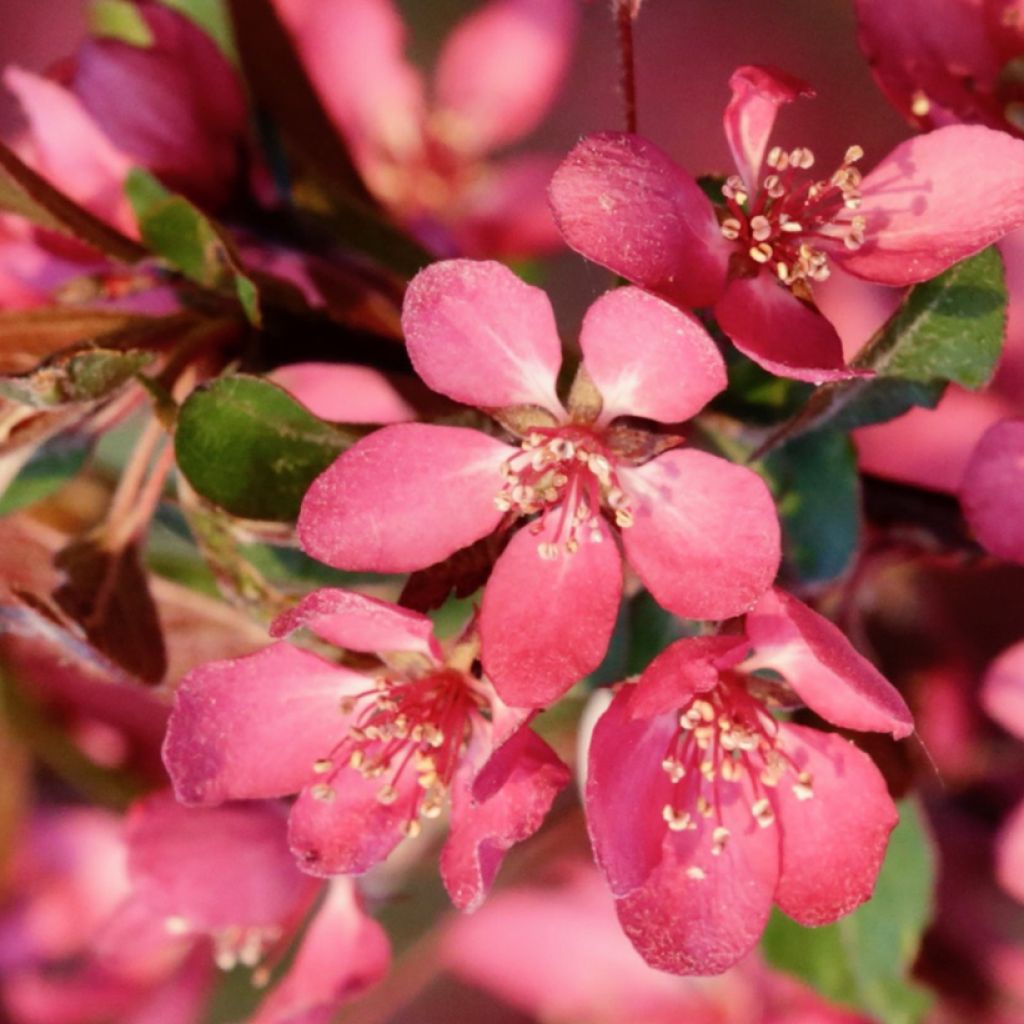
[760, 253]
[677, 821]
[696, 873]
[853, 154]
[322, 792]
[763, 813]
[673, 769]
[323, 766]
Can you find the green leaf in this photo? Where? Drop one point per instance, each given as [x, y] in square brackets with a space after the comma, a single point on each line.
[246, 445]
[815, 483]
[50, 467]
[863, 961]
[85, 375]
[212, 17]
[120, 20]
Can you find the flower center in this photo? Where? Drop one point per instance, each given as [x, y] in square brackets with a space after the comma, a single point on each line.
[724, 737]
[565, 471]
[785, 223]
[412, 726]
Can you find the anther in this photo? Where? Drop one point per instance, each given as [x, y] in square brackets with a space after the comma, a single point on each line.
[323, 766]
[673, 769]
[763, 813]
[760, 228]
[410, 829]
[387, 794]
[719, 837]
[803, 788]
[677, 821]
[760, 253]
[322, 792]
[696, 873]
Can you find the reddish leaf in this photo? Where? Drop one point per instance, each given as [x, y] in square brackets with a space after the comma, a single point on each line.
[464, 573]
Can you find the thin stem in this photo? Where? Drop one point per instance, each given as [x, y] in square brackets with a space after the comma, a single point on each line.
[625, 11]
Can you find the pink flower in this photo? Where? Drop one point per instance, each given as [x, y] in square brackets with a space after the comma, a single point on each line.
[622, 202]
[701, 533]
[992, 493]
[372, 753]
[427, 162]
[704, 809]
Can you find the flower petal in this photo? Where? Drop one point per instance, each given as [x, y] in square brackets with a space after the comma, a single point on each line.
[774, 328]
[705, 536]
[545, 623]
[344, 393]
[531, 775]
[832, 844]
[1009, 854]
[479, 334]
[821, 665]
[648, 358]
[992, 492]
[404, 498]
[698, 912]
[1002, 691]
[626, 790]
[484, 99]
[621, 202]
[252, 727]
[357, 622]
[936, 199]
[757, 94]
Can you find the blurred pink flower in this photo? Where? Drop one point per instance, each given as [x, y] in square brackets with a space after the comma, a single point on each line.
[427, 160]
[704, 809]
[622, 202]
[701, 532]
[370, 753]
[992, 493]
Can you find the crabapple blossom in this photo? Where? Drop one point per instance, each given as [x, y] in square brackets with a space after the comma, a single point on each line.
[704, 809]
[700, 532]
[622, 202]
[372, 753]
[992, 492]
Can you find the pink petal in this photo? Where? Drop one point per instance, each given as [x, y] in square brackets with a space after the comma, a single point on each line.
[345, 394]
[705, 924]
[705, 536]
[214, 867]
[352, 830]
[403, 498]
[621, 202]
[343, 952]
[483, 830]
[832, 844]
[684, 669]
[933, 201]
[478, 334]
[774, 328]
[757, 94]
[992, 492]
[484, 98]
[626, 789]
[546, 623]
[1002, 691]
[1010, 854]
[70, 150]
[648, 358]
[252, 727]
[821, 665]
[354, 52]
[356, 622]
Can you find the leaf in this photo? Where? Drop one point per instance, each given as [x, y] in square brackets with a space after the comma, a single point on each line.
[817, 489]
[863, 961]
[83, 375]
[187, 240]
[120, 20]
[49, 468]
[107, 594]
[246, 445]
[28, 194]
[463, 573]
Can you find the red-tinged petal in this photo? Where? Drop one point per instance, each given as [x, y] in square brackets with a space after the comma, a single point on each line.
[545, 623]
[70, 150]
[484, 98]
[779, 332]
[350, 830]
[936, 199]
[214, 867]
[252, 727]
[698, 912]
[684, 669]
[757, 94]
[343, 952]
[345, 394]
[833, 844]
[479, 334]
[1009, 854]
[404, 498]
[648, 358]
[621, 202]
[992, 492]
[357, 622]
[626, 790]
[1002, 692]
[526, 777]
[354, 52]
[705, 536]
[821, 665]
